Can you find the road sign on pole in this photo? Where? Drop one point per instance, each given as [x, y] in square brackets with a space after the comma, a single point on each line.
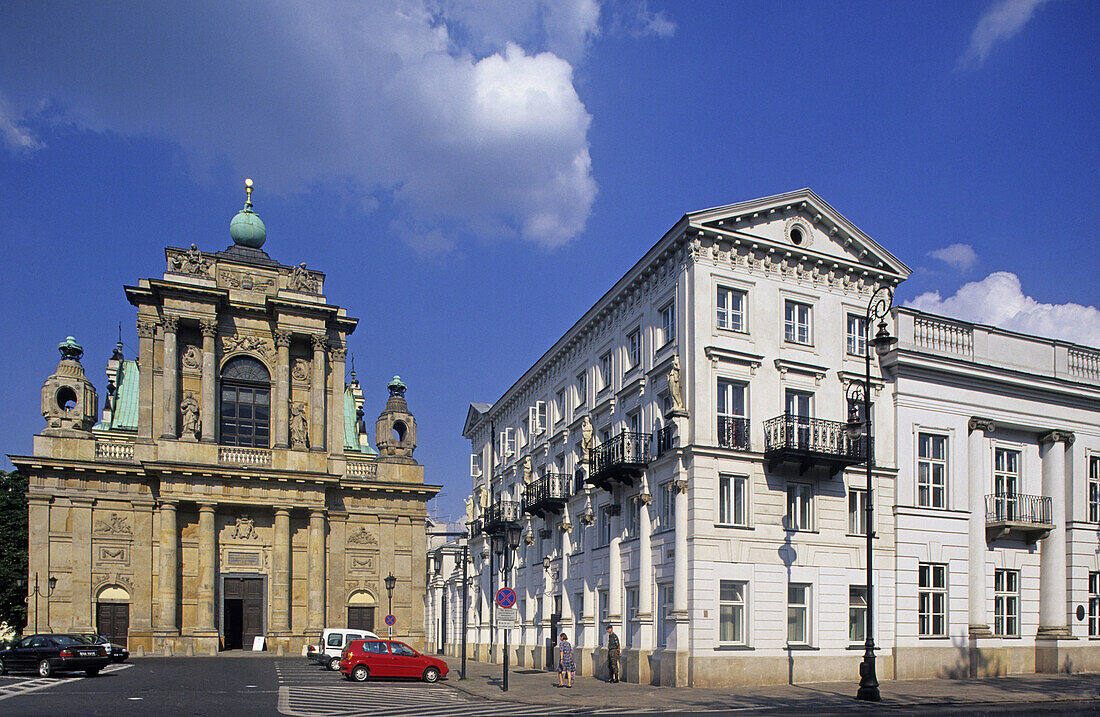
[507, 617]
[391, 620]
[506, 597]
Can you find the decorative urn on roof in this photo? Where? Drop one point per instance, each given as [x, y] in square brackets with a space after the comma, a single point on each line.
[247, 229]
[395, 430]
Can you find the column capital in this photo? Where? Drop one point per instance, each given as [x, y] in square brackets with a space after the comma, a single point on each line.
[83, 502]
[1055, 436]
[282, 511]
[170, 322]
[317, 512]
[207, 507]
[977, 423]
[680, 486]
[339, 353]
[282, 337]
[167, 504]
[209, 327]
[319, 341]
[146, 329]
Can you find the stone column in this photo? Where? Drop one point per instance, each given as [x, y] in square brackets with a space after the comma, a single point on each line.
[317, 395]
[38, 562]
[171, 377]
[141, 607]
[315, 609]
[167, 569]
[336, 402]
[280, 578]
[335, 597]
[147, 331]
[204, 618]
[1053, 608]
[674, 666]
[615, 577]
[209, 416]
[566, 548]
[978, 479]
[81, 557]
[282, 389]
[589, 619]
[645, 580]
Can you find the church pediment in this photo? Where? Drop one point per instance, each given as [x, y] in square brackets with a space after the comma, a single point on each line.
[802, 224]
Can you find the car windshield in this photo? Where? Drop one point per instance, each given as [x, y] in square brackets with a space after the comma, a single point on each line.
[65, 640]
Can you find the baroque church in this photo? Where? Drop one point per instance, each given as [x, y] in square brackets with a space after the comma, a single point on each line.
[228, 490]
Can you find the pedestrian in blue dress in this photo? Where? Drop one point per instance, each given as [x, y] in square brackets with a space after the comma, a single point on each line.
[566, 667]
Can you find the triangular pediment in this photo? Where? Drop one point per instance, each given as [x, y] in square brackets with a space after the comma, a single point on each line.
[474, 415]
[802, 223]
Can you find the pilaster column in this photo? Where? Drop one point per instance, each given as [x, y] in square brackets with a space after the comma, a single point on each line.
[282, 389]
[171, 377]
[145, 531]
[204, 618]
[566, 547]
[146, 331]
[335, 598]
[645, 571]
[1053, 608]
[679, 615]
[315, 607]
[336, 401]
[317, 395]
[81, 557]
[280, 580]
[978, 479]
[615, 576]
[168, 566]
[38, 559]
[209, 416]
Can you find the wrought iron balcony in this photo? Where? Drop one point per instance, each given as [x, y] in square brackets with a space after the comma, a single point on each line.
[619, 460]
[665, 440]
[1013, 514]
[499, 516]
[733, 432]
[811, 443]
[546, 494]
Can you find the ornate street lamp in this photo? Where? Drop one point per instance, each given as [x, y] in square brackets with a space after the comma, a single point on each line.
[391, 583]
[877, 310]
[504, 545]
[52, 581]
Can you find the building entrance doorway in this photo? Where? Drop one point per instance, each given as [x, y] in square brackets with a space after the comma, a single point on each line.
[242, 611]
[113, 621]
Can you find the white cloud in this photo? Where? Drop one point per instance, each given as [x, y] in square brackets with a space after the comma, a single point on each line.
[959, 257]
[999, 300]
[16, 136]
[1001, 21]
[635, 19]
[471, 131]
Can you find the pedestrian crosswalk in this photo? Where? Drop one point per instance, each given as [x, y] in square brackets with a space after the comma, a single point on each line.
[306, 690]
[10, 687]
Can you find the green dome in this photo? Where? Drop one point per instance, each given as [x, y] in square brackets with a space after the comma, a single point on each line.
[247, 229]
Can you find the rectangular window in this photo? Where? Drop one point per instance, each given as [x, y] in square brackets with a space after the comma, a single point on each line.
[1094, 489]
[800, 497]
[1006, 603]
[856, 335]
[931, 470]
[733, 424]
[857, 614]
[602, 596]
[668, 323]
[1006, 483]
[576, 538]
[634, 422]
[798, 614]
[796, 322]
[633, 518]
[932, 600]
[603, 525]
[799, 405]
[664, 606]
[526, 430]
[475, 465]
[634, 349]
[733, 500]
[559, 406]
[631, 604]
[605, 371]
[731, 309]
[666, 506]
[1094, 604]
[582, 390]
[731, 612]
[857, 511]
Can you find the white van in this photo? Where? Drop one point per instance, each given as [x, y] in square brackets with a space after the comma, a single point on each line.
[332, 642]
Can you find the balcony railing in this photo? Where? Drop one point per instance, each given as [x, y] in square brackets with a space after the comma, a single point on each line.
[733, 432]
[361, 469]
[114, 451]
[547, 494]
[500, 515]
[239, 456]
[811, 442]
[1025, 516]
[665, 440]
[620, 459]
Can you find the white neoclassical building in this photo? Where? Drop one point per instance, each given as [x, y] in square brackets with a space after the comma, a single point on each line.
[679, 469]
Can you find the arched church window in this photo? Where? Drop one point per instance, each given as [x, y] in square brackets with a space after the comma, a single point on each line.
[246, 403]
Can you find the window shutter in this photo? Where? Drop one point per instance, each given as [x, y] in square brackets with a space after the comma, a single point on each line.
[475, 465]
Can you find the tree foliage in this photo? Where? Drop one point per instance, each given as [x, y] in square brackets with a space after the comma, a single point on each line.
[13, 548]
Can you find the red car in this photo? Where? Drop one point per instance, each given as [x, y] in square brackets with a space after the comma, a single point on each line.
[385, 658]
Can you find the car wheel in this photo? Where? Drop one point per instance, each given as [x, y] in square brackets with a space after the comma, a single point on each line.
[431, 674]
[334, 664]
[91, 671]
[44, 669]
[360, 673]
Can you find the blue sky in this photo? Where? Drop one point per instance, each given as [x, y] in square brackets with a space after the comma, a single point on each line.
[473, 175]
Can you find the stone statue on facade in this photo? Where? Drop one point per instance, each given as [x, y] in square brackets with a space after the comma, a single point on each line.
[469, 509]
[675, 390]
[527, 469]
[587, 438]
[189, 408]
[300, 280]
[192, 262]
[483, 498]
[299, 426]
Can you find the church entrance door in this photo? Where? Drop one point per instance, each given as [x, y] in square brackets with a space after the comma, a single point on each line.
[243, 611]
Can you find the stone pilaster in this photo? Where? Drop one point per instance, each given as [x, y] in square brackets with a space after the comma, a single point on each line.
[38, 564]
[81, 556]
[336, 402]
[315, 607]
[615, 577]
[167, 570]
[978, 477]
[282, 389]
[141, 606]
[336, 597]
[280, 568]
[170, 325]
[146, 331]
[204, 619]
[645, 571]
[209, 416]
[674, 662]
[317, 395]
[1053, 608]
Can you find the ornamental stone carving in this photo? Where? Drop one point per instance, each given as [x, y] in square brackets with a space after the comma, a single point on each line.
[319, 341]
[981, 424]
[301, 280]
[675, 389]
[115, 524]
[362, 537]
[587, 438]
[299, 425]
[339, 353]
[300, 371]
[1055, 436]
[247, 343]
[170, 323]
[527, 469]
[245, 529]
[190, 262]
[208, 327]
[192, 358]
[246, 281]
[282, 338]
[189, 409]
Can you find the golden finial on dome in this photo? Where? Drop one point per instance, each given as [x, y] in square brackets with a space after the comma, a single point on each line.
[248, 190]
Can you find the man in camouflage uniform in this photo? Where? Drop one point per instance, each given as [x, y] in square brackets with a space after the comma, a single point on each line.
[612, 655]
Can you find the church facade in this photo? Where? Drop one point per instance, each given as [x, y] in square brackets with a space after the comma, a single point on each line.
[229, 490]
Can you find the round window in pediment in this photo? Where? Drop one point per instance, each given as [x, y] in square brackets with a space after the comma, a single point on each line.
[798, 232]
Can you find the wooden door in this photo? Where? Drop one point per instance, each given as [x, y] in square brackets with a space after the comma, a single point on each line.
[250, 594]
[113, 621]
[360, 618]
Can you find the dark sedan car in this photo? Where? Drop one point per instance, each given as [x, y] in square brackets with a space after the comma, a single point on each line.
[47, 654]
[116, 653]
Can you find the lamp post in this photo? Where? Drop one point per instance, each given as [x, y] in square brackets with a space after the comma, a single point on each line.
[52, 581]
[877, 309]
[504, 545]
[391, 583]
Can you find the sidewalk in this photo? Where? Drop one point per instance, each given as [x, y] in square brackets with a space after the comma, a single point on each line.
[536, 687]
